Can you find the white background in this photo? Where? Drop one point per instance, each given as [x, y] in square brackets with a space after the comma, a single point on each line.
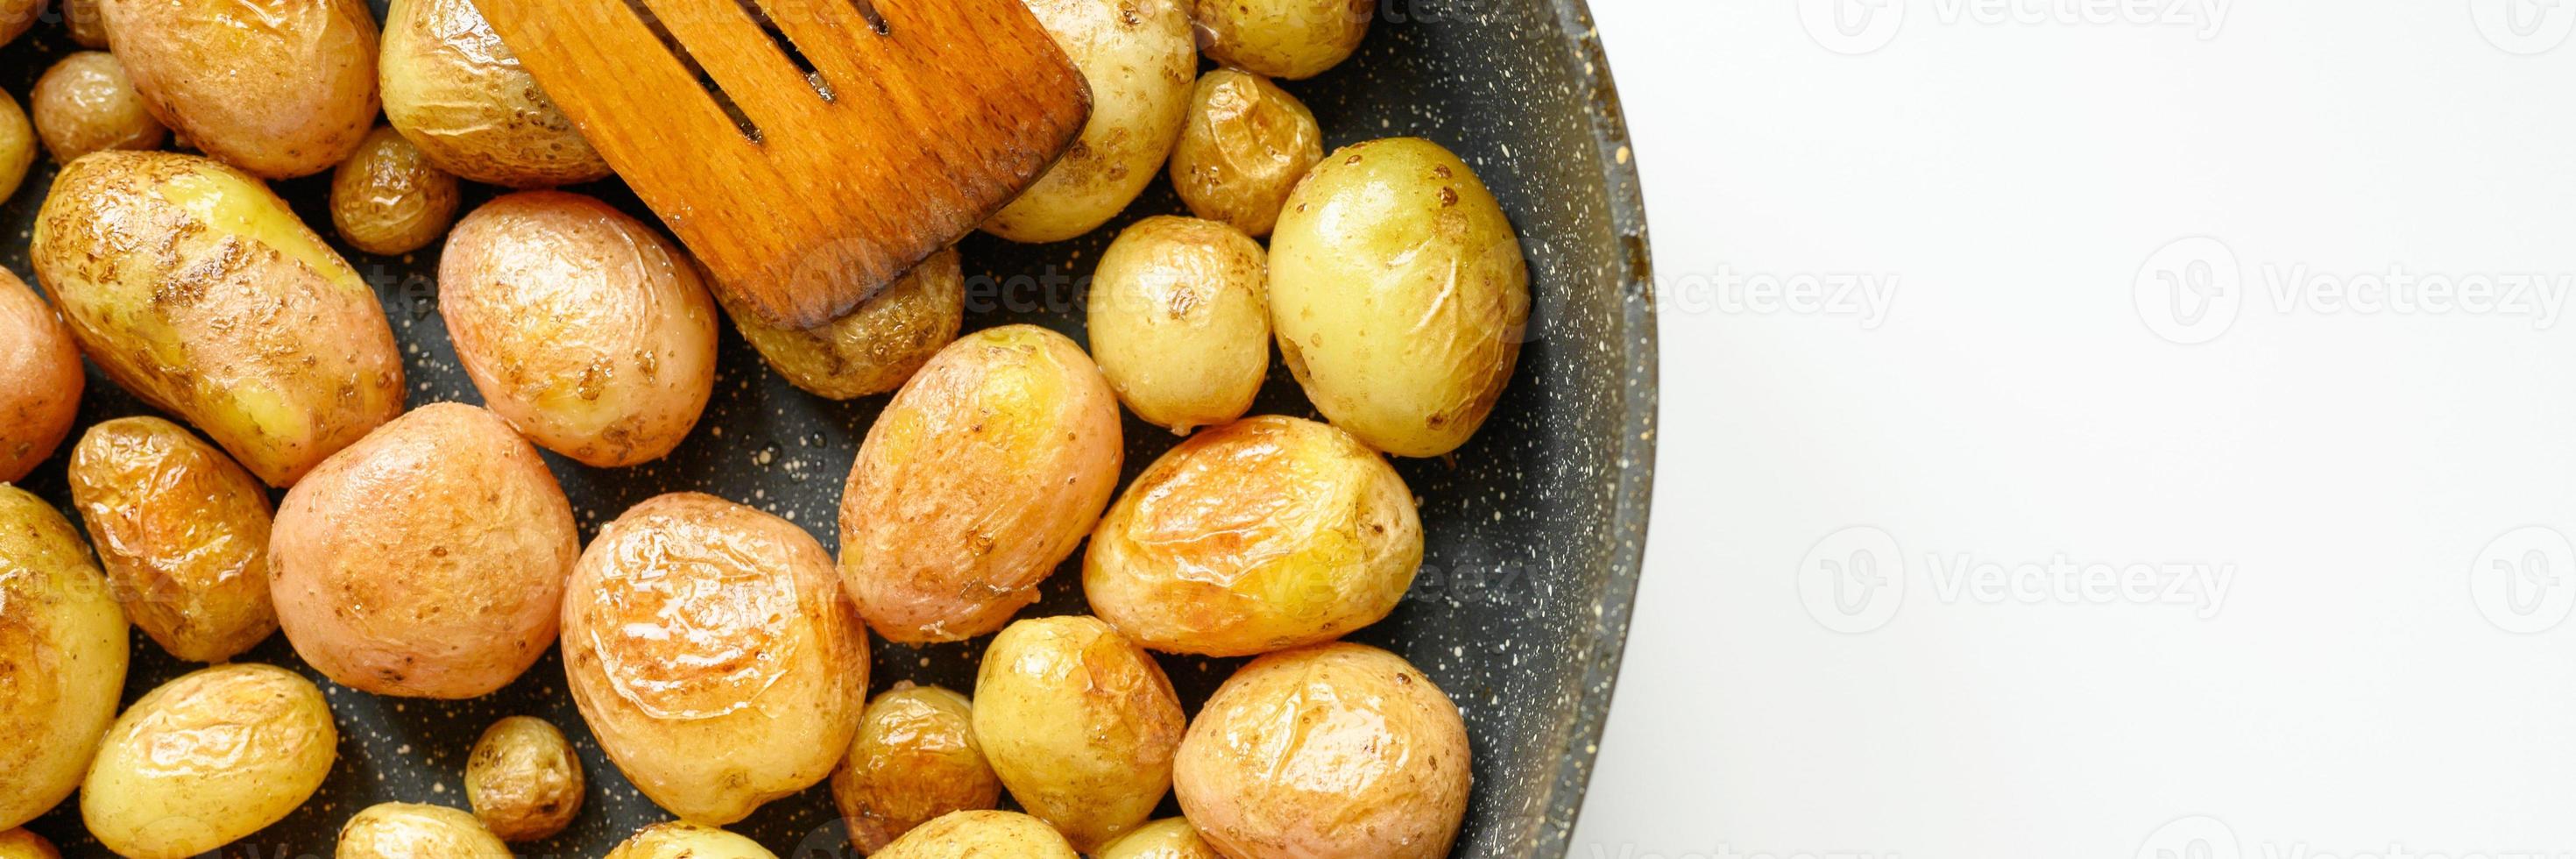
[2348, 465]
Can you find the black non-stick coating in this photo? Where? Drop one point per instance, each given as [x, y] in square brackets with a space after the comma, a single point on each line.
[1534, 529]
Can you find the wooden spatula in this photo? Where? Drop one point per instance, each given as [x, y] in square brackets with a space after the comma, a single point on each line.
[808, 151]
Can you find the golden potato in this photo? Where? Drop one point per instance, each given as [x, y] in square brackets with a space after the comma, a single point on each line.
[458, 93]
[43, 366]
[17, 16]
[1399, 295]
[981, 475]
[387, 199]
[1171, 838]
[403, 830]
[206, 759]
[523, 779]
[87, 29]
[874, 348]
[282, 89]
[980, 835]
[183, 533]
[427, 560]
[1245, 145]
[62, 657]
[1180, 322]
[915, 758]
[201, 292]
[1080, 724]
[22, 844]
[688, 841]
[1293, 39]
[1139, 57]
[17, 145]
[85, 103]
[589, 331]
[714, 655]
[1336, 751]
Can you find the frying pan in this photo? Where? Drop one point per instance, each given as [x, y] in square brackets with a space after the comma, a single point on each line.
[1534, 530]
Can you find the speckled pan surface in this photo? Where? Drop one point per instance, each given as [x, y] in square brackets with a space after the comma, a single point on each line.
[1535, 529]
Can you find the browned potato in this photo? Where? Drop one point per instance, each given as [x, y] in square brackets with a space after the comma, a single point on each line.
[448, 537]
[714, 655]
[1138, 58]
[62, 657]
[1171, 838]
[42, 364]
[402, 830]
[523, 779]
[282, 89]
[981, 835]
[1336, 751]
[677, 840]
[980, 475]
[1245, 146]
[85, 103]
[453, 88]
[1080, 724]
[81, 18]
[874, 348]
[17, 145]
[183, 532]
[387, 199]
[22, 844]
[915, 758]
[17, 16]
[208, 758]
[1179, 321]
[1293, 39]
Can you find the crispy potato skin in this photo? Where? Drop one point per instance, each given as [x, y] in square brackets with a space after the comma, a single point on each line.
[62, 657]
[388, 199]
[427, 559]
[588, 331]
[403, 830]
[85, 103]
[458, 93]
[1080, 723]
[17, 145]
[915, 758]
[198, 290]
[183, 532]
[206, 759]
[677, 840]
[714, 655]
[1293, 39]
[281, 89]
[1169, 838]
[981, 475]
[22, 844]
[523, 779]
[874, 348]
[1139, 59]
[1180, 322]
[1336, 751]
[18, 16]
[1246, 144]
[980, 835]
[42, 361]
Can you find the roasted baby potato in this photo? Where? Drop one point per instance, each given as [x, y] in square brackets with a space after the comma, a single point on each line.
[1171, 838]
[81, 18]
[22, 844]
[282, 89]
[713, 654]
[1293, 39]
[875, 347]
[198, 290]
[17, 145]
[589, 331]
[1399, 295]
[183, 533]
[1179, 321]
[42, 364]
[17, 16]
[387, 199]
[980, 835]
[85, 103]
[458, 93]
[62, 657]
[1246, 144]
[403, 830]
[427, 560]
[1080, 724]
[915, 758]
[1336, 751]
[205, 759]
[981, 475]
[1139, 58]
[523, 779]
[677, 840]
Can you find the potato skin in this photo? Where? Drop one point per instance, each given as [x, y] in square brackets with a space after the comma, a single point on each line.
[39, 357]
[426, 560]
[678, 840]
[22, 844]
[1169, 838]
[403, 830]
[198, 290]
[18, 16]
[714, 655]
[980, 835]
[1399, 294]
[585, 329]
[981, 475]
[1080, 723]
[208, 758]
[915, 758]
[85, 103]
[388, 199]
[875, 347]
[1336, 751]
[1180, 321]
[1293, 39]
[459, 94]
[1139, 58]
[183, 532]
[62, 657]
[17, 145]
[87, 29]
[1245, 145]
[523, 779]
[285, 89]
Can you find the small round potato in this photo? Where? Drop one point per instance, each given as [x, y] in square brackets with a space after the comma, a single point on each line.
[387, 199]
[458, 93]
[206, 759]
[981, 835]
[22, 844]
[62, 657]
[282, 89]
[183, 532]
[1336, 751]
[981, 475]
[714, 655]
[17, 145]
[1246, 144]
[1080, 724]
[523, 779]
[427, 560]
[1399, 295]
[1179, 321]
[43, 366]
[677, 840]
[1293, 39]
[1139, 59]
[1171, 838]
[81, 17]
[17, 16]
[915, 758]
[85, 103]
[874, 348]
[403, 830]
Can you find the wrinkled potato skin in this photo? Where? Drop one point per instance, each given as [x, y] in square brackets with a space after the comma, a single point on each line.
[589, 331]
[183, 533]
[85, 103]
[42, 362]
[402, 830]
[523, 779]
[87, 29]
[874, 348]
[246, 325]
[915, 758]
[1336, 751]
[17, 145]
[1399, 295]
[62, 657]
[1171, 838]
[458, 93]
[1139, 60]
[678, 840]
[22, 844]
[1245, 146]
[714, 655]
[281, 89]
[206, 759]
[388, 199]
[426, 560]
[1180, 322]
[980, 476]
[1293, 39]
[17, 16]
[1080, 724]
[981, 835]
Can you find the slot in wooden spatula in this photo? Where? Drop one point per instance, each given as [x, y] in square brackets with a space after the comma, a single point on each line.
[808, 151]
